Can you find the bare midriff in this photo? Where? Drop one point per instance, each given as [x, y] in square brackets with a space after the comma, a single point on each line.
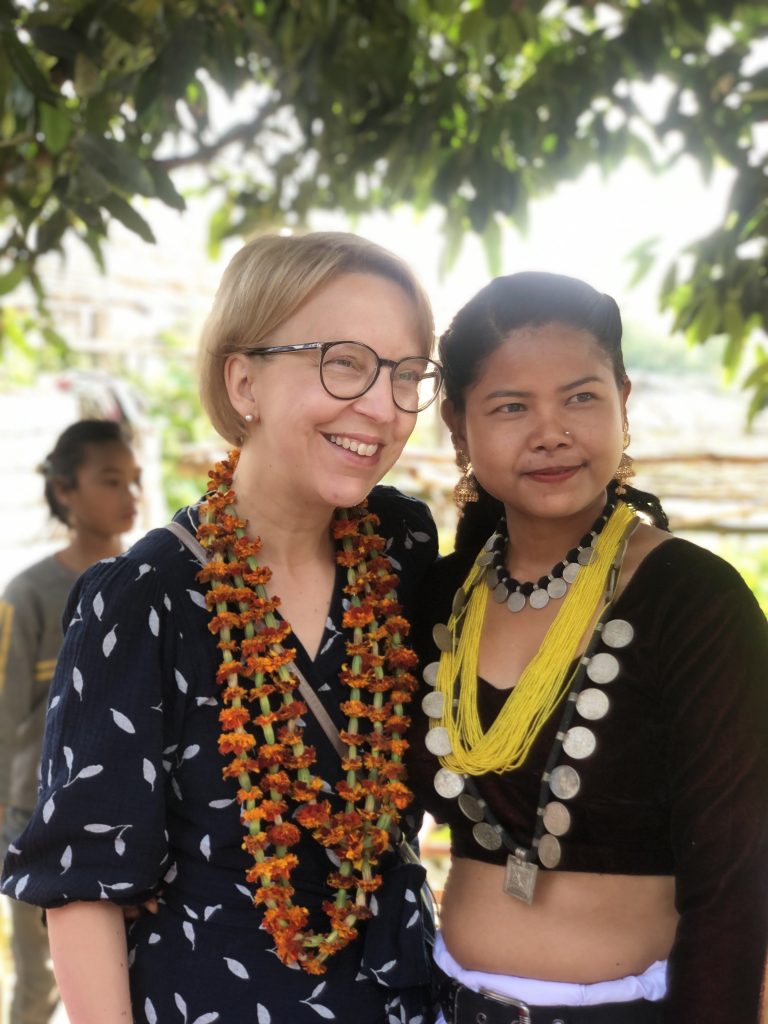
[580, 927]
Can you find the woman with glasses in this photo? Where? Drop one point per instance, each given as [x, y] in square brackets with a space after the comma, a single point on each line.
[226, 735]
[594, 716]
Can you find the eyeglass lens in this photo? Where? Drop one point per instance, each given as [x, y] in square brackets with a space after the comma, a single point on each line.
[348, 369]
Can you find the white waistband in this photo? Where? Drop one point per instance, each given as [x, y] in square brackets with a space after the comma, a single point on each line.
[651, 984]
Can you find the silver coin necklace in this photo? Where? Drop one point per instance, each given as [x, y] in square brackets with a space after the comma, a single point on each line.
[561, 781]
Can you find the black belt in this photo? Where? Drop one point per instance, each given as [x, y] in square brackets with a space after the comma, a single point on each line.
[460, 1005]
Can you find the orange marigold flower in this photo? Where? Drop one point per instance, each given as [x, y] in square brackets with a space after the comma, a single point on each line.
[305, 760]
[275, 893]
[355, 708]
[255, 843]
[341, 528]
[399, 794]
[226, 669]
[302, 791]
[357, 616]
[268, 810]
[236, 742]
[313, 815]
[245, 547]
[231, 693]
[401, 657]
[224, 620]
[284, 834]
[257, 692]
[231, 718]
[270, 754]
[279, 781]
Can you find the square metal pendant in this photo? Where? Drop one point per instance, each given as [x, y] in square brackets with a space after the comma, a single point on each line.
[520, 879]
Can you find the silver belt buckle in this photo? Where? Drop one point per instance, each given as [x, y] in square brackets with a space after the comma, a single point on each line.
[524, 1010]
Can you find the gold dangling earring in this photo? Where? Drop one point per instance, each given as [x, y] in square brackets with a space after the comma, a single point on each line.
[465, 490]
[626, 471]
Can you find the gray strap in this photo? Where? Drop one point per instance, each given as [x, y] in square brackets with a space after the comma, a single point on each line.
[313, 702]
[190, 541]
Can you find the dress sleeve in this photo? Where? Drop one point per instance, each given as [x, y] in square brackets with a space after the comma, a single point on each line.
[713, 662]
[20, 631]
[98, 831]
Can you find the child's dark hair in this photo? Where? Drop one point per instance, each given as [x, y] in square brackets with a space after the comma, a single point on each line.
[60, 466]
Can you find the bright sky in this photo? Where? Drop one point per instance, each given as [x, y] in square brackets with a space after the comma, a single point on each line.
[585, 228]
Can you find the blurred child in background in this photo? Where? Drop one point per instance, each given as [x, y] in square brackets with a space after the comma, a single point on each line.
[92, 483]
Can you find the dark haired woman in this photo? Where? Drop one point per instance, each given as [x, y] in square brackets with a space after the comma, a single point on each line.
[91, 484]
[595, 723]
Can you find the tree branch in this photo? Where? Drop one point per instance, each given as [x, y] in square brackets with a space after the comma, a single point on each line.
[238, 133]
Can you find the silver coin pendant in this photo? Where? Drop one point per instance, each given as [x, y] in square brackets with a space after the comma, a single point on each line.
[486, 836]
[603, 668]
[592, 704]
[579, 742]
[438, 742]
[448, 784]
[565, 782]
[443, 637]
[432, 704]
[618, 633]
[538, 598]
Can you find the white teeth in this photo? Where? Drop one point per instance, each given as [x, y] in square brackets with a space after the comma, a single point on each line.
[355, 446]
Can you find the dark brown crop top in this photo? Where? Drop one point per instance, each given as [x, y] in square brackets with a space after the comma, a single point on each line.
[678, 782]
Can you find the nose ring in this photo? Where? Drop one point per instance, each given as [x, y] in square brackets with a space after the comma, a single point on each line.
[567, 433]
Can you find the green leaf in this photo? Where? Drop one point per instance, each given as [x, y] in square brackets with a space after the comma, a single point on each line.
[165, 188]
[117, 163]
[13, 278]
[492, 244]
[128, 216]
[56, 126]
[26, 68]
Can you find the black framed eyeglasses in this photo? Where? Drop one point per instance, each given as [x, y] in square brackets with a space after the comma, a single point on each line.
[350, 368]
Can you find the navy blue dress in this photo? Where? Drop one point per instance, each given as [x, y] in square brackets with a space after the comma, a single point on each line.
[133, 802]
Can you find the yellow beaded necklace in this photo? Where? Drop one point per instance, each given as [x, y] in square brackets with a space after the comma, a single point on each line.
[544, 682]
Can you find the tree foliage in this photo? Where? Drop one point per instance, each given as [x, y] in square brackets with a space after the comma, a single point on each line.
[477, 106]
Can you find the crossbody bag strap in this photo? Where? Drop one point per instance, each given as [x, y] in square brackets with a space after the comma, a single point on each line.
[314, 703]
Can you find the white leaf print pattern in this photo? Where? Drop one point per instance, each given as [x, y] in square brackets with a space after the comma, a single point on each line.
[322, 1011]
[150, 775]
[206, 1018]
[153, 939]
[167, 601]
[54, 703]
[143, 570]
[154, 622]
[109, 642]
[237, 968]
[205, 847]
[262, 1014]
[88, 772]
[218, 805]
[149, 1011]
[77, 682]
[122, 721]
[182, 1006]
[48, 810]
[197, 598]
[98, 606]
[210, 911]
[189, 932]
[181, 682]
[191, 751]
[21, 885]
[69, 758]
[66, 860]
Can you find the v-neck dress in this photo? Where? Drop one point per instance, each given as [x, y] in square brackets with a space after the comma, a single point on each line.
[133, 802]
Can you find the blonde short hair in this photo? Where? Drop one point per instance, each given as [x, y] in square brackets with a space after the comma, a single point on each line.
[266, 282]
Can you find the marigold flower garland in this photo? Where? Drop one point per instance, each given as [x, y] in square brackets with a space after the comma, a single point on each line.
[276, 782]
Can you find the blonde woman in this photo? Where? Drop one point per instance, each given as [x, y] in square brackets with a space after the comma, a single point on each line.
[185, 760]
